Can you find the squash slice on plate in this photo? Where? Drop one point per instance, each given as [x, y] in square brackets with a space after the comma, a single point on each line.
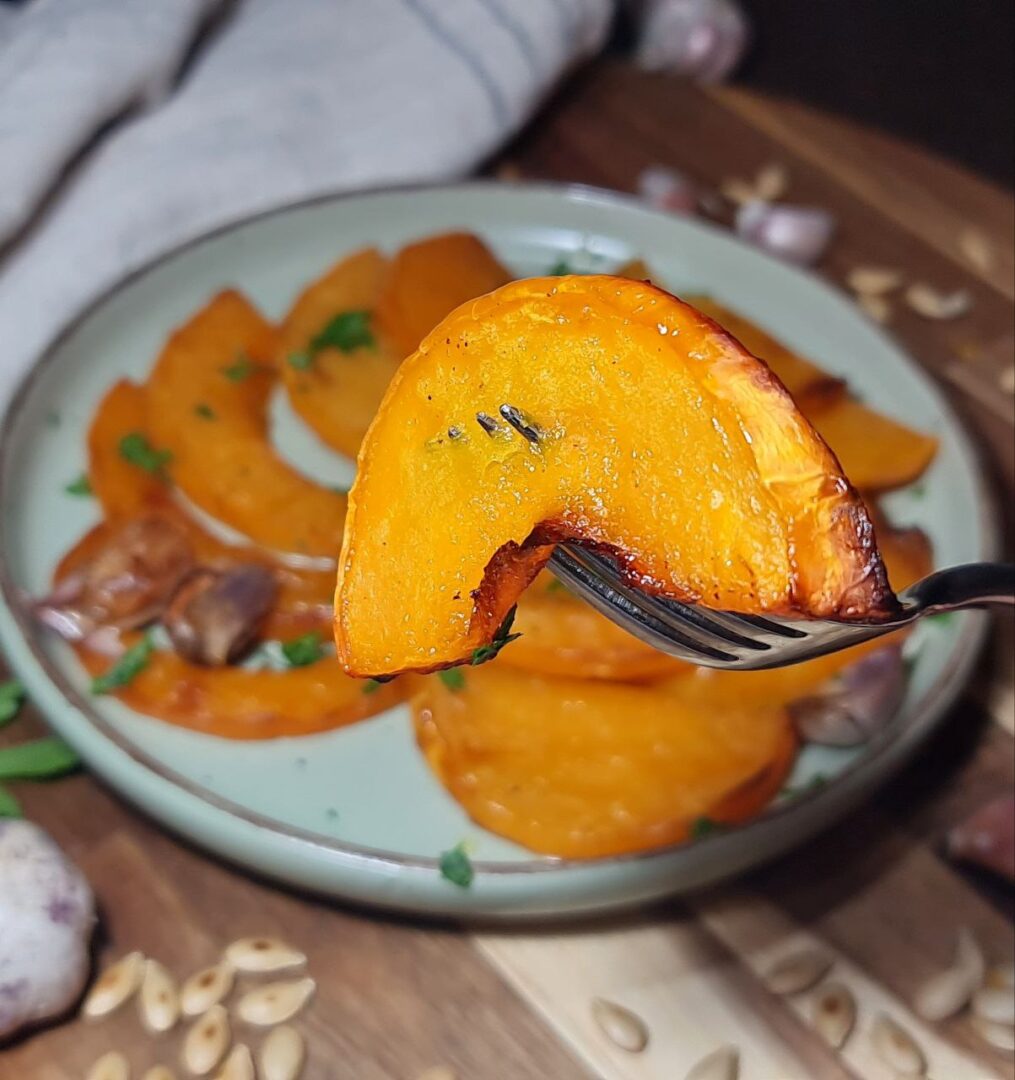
[335, 360]
[584, 769]
[604, 411]
[207, 405]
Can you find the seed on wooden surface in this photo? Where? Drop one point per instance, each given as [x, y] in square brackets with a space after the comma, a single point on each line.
[621, 1026]
[1001, 976]
[943, 994]
[206, 988]
[798, 971]
[977, 249]
[159, 1072]
[738, 191]
[873, 280]
[275, 1002]
[282, 1054]
[834, 1013]
[931, 304]
[114, 986]
[875, 307]
[262, 954]
[771, 182]
[995, 1003]
[896, 1047]
[1001, 1036]
[111, 1066]
[721, 1064]
[207, 1041]
[239, 1065]
[158, 999]
[438, 1072]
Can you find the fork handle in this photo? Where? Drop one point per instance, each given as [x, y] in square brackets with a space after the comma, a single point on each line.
[972, 585]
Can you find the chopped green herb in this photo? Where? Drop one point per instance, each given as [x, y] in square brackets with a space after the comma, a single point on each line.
[136, 449]
[943, 618]
[12, 695]
[452, 677]
[560, 268]
[500, 639]
[816, 783]
[348, 330]
[704, 826]
[9, 806]
[301, 361]
[556, 585]
[39, 759]
[456, 866]
[371, 686]
[81, 486]
[918, 490]
[127, 668]
[239, 369]
[303, 651]
[206, 412]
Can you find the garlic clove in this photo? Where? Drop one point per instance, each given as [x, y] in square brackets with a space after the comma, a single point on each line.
[111, 1066]
[721, 1064]
[798, 971]
[931, 304]
[945, 993]
[621, 1026]
[239, 1065]
[206, 988]
[114, 986]
[896, 1047]
[158, 1000]
[798, 234]
[834, 1013]
[282, 1054]
[275, 1002]
[263, 954]
[207, 1041]
[996, 1004]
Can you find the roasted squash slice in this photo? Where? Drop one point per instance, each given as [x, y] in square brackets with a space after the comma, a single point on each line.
[633, 423]
[584, 769]
[337, 387]
[207, 405]
[432, 277]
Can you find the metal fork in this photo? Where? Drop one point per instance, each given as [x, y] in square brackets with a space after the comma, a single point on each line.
[721, 639]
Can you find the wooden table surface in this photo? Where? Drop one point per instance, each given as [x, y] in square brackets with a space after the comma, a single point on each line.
[396, 998]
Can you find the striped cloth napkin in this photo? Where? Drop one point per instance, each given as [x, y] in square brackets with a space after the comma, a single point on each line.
[130, 126]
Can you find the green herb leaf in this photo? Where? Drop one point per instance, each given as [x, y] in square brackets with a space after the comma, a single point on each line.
[816, 783]
[127, 668]
[40, 759]
[206, 412]
[136, 449]
[452, 677]
[560, 268]
[301, 361]
[456, 866]
[81, 486]
[348, 330]
[302, 651]
[9, 806]
[704, 826]
[943, 618]
[12, 695]
[371, 686]
[500, 639]
[555, 585]
[241, 368]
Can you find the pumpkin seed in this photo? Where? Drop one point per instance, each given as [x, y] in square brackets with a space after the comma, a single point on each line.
[111, 1066]
[875, 307]
[943, 994]
[275, 1002]
[873, 280]
[263, 954]
[771, 182]
[158, 1000]
[621, 1026]
[721, 1064]
[1001, 1036]
[114, 986]
[896, 1047]
[931, 304]
[798, 971]
[206, 988]
[239, 1065]
[159, 1072]
[207, 1041]
[996, 1004]
[282, 1054]
[834, 1013]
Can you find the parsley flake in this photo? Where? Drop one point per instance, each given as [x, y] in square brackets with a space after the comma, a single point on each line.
[704, 826]
[38, 759]
[81, 486]
[301, 361]
[500, 639]
[559, 268]
[456, 866]
[127, 668]
[371, 686]
[136, 449]
[348, 330]
[9, 806]
[12, 695]
[239, 369]
[303, 651]
[453, 678]
[206, 412]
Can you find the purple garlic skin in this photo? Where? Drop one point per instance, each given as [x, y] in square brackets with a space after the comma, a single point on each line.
[798, 234]
[851, 708]
[703, 40]
[47, 913]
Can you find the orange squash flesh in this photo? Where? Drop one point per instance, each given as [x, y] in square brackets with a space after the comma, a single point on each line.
[661, 439]
[583, 769]
[338, 394]
[216, 428]
[432, 277]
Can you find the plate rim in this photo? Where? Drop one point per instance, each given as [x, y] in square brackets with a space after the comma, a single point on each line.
[16, 627]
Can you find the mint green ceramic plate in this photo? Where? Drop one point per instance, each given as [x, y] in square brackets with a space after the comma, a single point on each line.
[355, 813]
